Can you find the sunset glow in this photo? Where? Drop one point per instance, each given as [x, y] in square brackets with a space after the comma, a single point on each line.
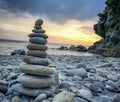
[72, 31]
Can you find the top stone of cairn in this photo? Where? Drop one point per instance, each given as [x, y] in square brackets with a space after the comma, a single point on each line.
[39, 22]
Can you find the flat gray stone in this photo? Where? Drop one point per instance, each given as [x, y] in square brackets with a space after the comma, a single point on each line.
[33, 81]
[36, 70]
[38, 31]
[80, 72]
[36, 53]
[33, 92]
[35, 60]
[32, 46]
[38, 40]
[37, 27]
[38, 35]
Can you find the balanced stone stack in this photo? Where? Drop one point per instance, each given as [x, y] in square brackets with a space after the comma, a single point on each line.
[39, 77]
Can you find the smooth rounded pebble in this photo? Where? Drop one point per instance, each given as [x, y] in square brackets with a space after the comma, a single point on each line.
[32, 91]
[77, 99]
[64, 96]
[85, 93]
[35, 60]
[38, 40]
[112, 77]
[33, 46]
[80, 72]
[38, 35]
[36, 70]
[3, 88]
[38, 31]
[39, 22]
[40, 97]
[36, 53]
[33, 81]
[16, 99]
[37, 27]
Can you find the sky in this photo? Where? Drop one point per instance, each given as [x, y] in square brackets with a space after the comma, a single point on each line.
[65, 21]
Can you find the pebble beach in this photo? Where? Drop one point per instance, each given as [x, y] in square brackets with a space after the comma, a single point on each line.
[47, 66]
[81, 79]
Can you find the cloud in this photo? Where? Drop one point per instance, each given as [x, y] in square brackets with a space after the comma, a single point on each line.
[55, 10]
[86, 29]
[10, 34]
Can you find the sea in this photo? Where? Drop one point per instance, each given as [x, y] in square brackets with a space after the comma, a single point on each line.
[7, 46]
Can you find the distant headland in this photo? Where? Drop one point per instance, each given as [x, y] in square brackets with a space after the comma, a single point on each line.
[11, 40]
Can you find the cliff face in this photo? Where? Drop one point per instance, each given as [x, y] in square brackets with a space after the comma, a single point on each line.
[108, 27]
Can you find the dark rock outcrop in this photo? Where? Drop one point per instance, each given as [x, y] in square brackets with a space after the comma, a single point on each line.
[108, 27]
[74, 48]
[78, 48]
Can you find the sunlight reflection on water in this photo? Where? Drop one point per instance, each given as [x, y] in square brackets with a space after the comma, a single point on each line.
[7, 47]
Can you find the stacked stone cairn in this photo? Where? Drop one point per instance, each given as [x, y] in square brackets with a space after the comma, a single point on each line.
[39, 77]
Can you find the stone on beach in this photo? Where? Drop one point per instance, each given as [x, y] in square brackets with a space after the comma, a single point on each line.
[36, 70]
[80, 72]
[38, 40]
[39, 22]
[37, 53]
[33, 46]
[3, 82]
[37, 27]
[3, 88]
[96, 87]
[40, 97]
[35, 60]
[38, 35]
[38, 31]
[64, 96]
[112, 77]
[33, 81]
[112, 87]
[16, 99]
[103, 99]
[2, 96]
[85, 93]
[32, 91]
[77, 99]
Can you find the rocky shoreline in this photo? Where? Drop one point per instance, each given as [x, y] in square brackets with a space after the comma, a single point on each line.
[74, 48]
[81, 79]
[108, 28]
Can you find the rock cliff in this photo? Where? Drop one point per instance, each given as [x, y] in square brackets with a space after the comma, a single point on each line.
[108, 27]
